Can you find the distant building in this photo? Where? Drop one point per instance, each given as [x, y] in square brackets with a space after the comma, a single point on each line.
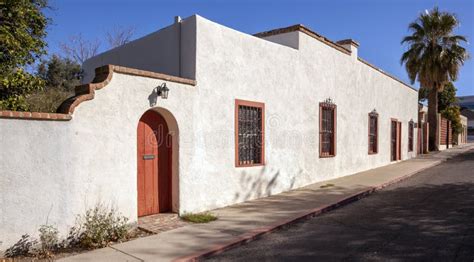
[466, 102]
[467, 109]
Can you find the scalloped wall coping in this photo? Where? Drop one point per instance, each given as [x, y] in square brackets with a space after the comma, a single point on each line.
[103, 75]
[86, 92]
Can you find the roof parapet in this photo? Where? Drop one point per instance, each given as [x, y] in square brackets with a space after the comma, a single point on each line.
[350, 45]
[338, 46]
[307, 31]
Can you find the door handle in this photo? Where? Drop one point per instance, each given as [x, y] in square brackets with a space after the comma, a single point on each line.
[148, 157]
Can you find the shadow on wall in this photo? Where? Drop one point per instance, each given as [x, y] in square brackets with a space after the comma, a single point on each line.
[153, 98]
[263, 184]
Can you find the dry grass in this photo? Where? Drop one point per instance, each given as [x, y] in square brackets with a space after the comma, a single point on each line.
[199, 217]
[327, 185]
[47, 101]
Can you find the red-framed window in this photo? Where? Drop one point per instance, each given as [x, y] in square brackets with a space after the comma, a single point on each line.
[373, 132]
[327, 129]
[411, 127]
[249, 133]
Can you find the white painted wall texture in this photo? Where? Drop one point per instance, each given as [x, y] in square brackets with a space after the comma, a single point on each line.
[170, 50]
[51, 171]
[291, 83]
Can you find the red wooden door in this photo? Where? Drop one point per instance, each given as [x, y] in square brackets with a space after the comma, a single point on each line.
[399, 156]
[154, 171]
[394, 141]
[419, 144]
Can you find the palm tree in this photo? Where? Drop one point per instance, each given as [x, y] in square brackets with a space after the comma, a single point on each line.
[434, 58]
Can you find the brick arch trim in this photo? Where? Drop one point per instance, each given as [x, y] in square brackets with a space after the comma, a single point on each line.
[86, 92]
[103, 76]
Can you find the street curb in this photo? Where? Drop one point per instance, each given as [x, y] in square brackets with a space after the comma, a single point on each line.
[259, 232]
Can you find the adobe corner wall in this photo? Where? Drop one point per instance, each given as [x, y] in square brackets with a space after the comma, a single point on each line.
[55, 166]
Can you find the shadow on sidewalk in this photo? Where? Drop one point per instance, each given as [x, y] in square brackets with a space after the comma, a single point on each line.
[427, 217]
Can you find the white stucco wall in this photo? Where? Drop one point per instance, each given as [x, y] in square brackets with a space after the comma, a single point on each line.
[233, 65]
[170, 50]
[52, 171]
[460, 139]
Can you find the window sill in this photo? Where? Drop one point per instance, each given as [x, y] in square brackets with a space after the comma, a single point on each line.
[326, 156]
[249, 165]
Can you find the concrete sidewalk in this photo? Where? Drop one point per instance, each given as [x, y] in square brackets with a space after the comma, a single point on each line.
[244, 222]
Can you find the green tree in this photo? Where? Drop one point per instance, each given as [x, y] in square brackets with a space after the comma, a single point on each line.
[60, 73]
[447, 97]
[423, 94]
[433, 58]
[453, 114]
[61, 76]
[448, 108]
[22, 32]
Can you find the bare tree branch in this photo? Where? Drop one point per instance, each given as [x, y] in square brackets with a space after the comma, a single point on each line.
[119, 36]
[80, 49]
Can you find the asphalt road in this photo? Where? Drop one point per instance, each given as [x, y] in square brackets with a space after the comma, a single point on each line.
[428, 217]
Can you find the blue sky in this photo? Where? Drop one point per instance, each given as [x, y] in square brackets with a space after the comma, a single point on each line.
[378, 25]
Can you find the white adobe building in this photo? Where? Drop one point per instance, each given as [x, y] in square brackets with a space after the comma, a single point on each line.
[245, 117]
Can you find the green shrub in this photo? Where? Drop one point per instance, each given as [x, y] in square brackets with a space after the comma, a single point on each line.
[48, 241]
[205, 217]
[29, 247]
[21, 248]
[98, 227]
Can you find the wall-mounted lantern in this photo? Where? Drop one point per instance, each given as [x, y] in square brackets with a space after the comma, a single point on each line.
[162, 91]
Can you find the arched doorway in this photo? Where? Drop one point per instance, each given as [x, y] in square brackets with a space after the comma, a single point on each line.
[154, 162]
